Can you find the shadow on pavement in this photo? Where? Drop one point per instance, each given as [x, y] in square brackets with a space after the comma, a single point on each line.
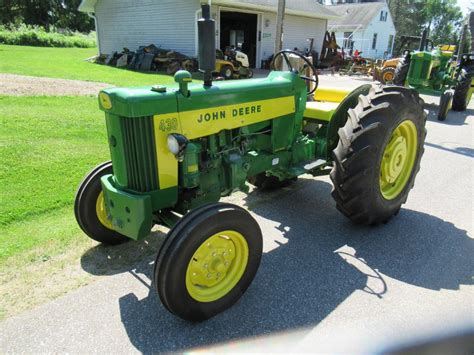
[469, 152]
[317, 259]
[454, 118]
[110, 260]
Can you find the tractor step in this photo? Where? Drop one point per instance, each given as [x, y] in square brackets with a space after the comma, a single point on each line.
[314, 164]
[308, 167]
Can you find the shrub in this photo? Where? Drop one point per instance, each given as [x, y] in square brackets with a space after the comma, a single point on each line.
[38, 36]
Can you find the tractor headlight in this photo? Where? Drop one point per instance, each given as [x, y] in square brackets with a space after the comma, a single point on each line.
[177, 144]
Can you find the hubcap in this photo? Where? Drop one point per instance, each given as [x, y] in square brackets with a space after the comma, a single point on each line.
[101, 212]
[217, 266]
[398, 160]
[388, 76]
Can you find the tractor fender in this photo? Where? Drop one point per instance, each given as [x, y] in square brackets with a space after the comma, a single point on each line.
[339, 117]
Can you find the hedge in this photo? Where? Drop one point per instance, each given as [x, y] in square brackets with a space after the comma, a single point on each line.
[25, 35]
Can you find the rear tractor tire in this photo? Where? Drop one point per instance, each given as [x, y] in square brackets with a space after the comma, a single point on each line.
[89, 208]
[401, 72]
[208, 260]
[378, 154]
[462, 91]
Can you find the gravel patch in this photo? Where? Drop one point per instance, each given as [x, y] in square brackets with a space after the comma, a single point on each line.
[21, 85]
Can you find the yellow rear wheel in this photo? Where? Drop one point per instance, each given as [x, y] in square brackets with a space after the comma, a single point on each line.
[398, 159]
[378, 154]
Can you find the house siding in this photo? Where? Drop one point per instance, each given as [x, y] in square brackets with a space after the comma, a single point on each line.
[132, 23]
[383, 30]
[172, 25]
[296, 31]
[363, 37]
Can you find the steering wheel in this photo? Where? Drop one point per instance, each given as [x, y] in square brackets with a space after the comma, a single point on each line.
[312, 77]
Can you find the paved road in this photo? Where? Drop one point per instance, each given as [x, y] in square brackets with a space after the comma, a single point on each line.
[323, 285]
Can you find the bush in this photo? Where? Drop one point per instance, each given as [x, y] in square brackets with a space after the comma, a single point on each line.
[25, 35]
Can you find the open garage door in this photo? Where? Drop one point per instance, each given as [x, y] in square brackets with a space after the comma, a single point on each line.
[239, 29]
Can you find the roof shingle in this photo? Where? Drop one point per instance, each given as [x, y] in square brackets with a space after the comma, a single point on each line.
[355, 15]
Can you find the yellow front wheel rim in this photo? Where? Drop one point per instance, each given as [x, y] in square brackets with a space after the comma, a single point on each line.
[217, 266]
[101, 212]
[398, 160]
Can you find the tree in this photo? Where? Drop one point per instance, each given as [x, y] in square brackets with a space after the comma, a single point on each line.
[58, 13]
[442, 18]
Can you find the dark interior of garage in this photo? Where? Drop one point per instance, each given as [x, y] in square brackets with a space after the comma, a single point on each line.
[239, 29]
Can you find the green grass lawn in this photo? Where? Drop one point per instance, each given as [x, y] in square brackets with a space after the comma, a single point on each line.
[47, 145]
[68, 63]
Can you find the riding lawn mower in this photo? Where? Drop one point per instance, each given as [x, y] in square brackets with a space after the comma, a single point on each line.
[232, 64]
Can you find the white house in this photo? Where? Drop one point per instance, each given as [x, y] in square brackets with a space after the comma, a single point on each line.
[367, 27]
[171, 24]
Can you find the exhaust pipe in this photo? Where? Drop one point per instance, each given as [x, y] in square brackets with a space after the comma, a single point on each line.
[207, 44]
[461, 43]
[423, 40]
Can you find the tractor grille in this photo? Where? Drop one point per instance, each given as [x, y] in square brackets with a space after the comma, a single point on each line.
[140, 153]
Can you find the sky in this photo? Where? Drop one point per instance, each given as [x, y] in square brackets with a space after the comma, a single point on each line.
[465, 5]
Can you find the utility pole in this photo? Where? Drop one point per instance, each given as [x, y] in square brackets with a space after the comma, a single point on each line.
[471, 28]
[279, 29]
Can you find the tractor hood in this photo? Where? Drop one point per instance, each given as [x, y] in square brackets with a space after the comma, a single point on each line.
[138, 102]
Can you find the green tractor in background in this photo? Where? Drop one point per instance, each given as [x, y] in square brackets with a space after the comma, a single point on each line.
[439, 73]
[176, 151]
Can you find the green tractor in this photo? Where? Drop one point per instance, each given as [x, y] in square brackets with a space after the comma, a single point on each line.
[439, 73]
[176, 151]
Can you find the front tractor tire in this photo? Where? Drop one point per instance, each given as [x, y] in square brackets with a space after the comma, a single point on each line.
[378, 154]
[89, 208]
[445, 104]
[462, 91]
[208, 261]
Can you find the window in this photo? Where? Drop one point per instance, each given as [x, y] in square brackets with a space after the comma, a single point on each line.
[374, 41]
[348, 42]
[381, 16]
[390, 43]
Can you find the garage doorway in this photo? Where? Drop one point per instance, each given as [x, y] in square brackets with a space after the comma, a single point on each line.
[239, 29]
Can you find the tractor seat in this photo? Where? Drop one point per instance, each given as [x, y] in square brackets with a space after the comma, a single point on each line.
[320, 110]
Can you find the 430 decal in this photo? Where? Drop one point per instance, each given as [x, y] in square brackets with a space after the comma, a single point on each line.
[168, 124]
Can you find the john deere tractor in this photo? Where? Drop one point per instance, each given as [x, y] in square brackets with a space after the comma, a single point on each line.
[440, 73]
[384, 70]
[175, 151]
